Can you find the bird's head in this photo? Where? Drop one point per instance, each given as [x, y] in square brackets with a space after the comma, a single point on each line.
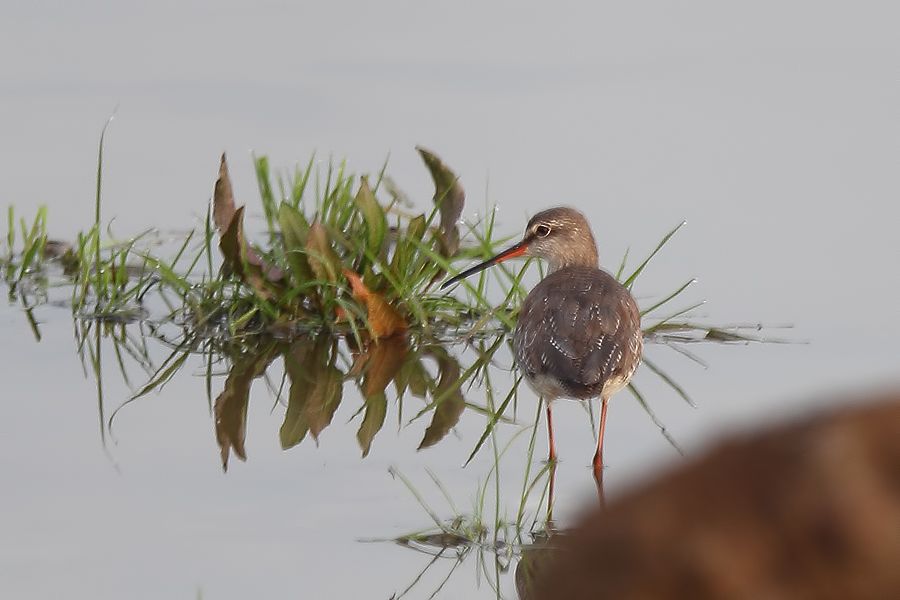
[561, 236]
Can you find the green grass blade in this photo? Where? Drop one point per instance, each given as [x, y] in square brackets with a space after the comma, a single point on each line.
[630, 281]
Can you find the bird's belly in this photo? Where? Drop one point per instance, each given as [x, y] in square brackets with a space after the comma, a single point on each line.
[548, 387]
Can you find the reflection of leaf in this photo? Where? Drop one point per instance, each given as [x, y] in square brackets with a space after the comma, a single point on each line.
[414, 377]
[450, 401]
[376, 409]
[231, 405]
[315, 392]
[383, 319]
[383, 361]
[328, 383]
[294, 427]
[450, 198]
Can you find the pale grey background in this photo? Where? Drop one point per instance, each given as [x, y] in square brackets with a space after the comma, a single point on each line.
[771, 127]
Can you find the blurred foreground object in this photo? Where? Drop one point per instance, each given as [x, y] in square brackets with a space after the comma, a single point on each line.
[807, 510]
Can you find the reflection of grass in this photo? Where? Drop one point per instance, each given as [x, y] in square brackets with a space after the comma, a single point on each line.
[422, 380]
[486, 535]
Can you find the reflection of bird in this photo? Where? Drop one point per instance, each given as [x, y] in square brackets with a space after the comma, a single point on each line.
[534, 559]
[579, 331]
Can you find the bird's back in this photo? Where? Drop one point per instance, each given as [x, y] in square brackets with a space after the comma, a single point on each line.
[578, 335]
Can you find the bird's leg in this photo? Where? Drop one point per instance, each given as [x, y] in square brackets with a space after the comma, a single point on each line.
[552, 456]
[598, 456]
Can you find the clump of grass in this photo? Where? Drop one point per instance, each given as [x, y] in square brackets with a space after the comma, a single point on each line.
[323, 227]
[318, 245]
[19, 265]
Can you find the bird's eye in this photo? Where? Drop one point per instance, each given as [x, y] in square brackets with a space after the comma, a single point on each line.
[542, 231]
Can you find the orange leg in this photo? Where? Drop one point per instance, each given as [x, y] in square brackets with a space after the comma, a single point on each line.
[552, 457]
[598, 456]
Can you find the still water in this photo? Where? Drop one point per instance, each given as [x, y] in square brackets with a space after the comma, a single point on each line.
[771, 129]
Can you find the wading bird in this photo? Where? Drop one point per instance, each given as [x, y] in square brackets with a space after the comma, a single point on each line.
[579, 331]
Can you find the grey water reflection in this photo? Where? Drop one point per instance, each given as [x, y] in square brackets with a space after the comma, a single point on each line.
[306, 375]
[503, 536]
[314, 378]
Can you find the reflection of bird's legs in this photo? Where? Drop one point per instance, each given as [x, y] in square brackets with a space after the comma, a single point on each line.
[552, 475]
[598, 456]
[552, 457]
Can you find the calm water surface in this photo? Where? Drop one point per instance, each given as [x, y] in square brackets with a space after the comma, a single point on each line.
[772, 130]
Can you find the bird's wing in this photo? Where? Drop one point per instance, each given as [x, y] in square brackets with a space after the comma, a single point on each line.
[577, 327]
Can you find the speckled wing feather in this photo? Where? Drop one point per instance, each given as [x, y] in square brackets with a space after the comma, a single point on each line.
[578, 331]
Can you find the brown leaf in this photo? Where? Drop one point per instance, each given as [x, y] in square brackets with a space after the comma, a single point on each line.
[384, 320]
[450, 198]
[229, 222]
[321, 256]
[223, 199]
[237, 256]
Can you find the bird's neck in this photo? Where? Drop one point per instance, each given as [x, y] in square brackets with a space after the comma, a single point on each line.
[578, 257]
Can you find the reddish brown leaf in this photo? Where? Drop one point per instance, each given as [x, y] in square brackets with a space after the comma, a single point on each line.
[384, 320]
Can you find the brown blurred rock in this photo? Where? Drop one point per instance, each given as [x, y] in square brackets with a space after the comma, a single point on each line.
[809, 510]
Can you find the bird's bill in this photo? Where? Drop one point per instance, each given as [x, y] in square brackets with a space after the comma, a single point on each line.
[512, 252]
